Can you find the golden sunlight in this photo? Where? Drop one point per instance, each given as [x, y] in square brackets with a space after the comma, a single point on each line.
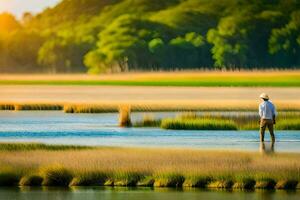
[5, 5]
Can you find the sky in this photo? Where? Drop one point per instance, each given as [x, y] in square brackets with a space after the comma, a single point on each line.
[18, 7]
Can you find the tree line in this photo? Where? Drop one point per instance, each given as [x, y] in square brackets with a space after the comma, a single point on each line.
[98, 36]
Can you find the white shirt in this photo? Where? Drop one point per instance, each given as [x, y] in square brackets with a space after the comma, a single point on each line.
[267, 110]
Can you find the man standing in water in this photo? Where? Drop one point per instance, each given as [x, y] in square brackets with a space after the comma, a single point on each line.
[267, 113]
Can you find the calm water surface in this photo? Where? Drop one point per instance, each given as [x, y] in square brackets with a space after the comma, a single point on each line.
[138, 194]
[101, 129]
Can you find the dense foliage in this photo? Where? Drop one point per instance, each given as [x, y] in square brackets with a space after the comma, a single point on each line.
[119, 35]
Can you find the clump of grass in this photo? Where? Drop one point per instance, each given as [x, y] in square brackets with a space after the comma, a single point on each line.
[221, 184]
[109, 182]
[265, 183]
[197, 181]
[244, 182]
[56, 176]
[38, 146]
[198, 124]
[148, 121]
[90, 178]
[127, 178]
[31, 180]
[147, 181]
[38, 107]
[124, 116]
[104, 108]
[286, 184]
[221, 181]
[168, 180]
[288, 124]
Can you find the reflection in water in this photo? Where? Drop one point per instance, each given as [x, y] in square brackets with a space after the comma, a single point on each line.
[267, 147]
[118, 193]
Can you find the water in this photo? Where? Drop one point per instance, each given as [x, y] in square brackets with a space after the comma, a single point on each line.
[101, 129]
[141, 193]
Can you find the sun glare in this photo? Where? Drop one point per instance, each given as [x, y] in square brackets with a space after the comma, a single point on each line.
[5, 5]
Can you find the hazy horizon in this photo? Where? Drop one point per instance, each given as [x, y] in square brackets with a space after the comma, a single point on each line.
[18, 7]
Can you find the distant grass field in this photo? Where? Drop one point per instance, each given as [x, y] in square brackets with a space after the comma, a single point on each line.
[196, 78]
[111, 166]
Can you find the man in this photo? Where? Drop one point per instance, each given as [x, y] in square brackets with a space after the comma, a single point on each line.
[267, 113]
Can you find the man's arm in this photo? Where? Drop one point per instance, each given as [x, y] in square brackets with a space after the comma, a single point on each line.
[260, 113]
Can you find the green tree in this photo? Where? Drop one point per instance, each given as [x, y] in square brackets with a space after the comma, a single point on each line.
[285, 41]
[229, 42]
[124, 44]
[62, 55]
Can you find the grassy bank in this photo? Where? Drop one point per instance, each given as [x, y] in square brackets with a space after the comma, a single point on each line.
[221, 121]
[148, 167]
[149, 106]
[193, 78]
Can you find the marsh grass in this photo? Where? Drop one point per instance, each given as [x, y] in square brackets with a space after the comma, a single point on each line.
[244, 182]
[86, 108]
[149, 106]
[56, 175]
[127, 178]
[38, 107]
[38, 146]
[198, 124]
[223, 180]
[148, 121]
[146, 181]
[225, 121]
[169, 179]
[176, 106]
[288, 124]
[6, 106]
[149, 167]
[200, 181]
[89, 178]
[286, 184]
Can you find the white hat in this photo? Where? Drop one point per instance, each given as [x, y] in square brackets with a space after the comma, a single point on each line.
[264, 96]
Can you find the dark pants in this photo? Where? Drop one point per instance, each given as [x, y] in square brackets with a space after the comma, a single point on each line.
[266, 123]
